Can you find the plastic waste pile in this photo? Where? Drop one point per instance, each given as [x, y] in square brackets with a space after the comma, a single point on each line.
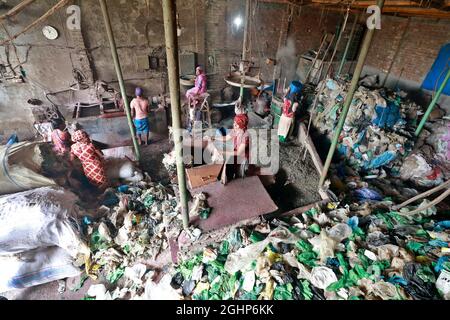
[379, 126]
[131, 230]
[339, 252]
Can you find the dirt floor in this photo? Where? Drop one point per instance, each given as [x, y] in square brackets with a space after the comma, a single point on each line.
[153, 155]
[297, 180]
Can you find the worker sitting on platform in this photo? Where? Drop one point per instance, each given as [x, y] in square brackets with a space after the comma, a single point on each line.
[195, 94]
[140, 109]
[237, 161]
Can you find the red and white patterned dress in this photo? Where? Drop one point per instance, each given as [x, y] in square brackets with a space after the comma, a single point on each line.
[92, 164]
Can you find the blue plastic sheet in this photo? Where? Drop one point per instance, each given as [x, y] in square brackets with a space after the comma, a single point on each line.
[381, 160]
[353, 222]
[367, 194]
[387, 117]
[440, 263]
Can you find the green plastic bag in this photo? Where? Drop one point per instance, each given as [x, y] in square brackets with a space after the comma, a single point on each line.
[283, 292]
[416, 247]
[224, 248]
[306, 290]
[314, 228]
[256, 237]
[149, 201]
[204, 214]
[115, 276]
[308, 258]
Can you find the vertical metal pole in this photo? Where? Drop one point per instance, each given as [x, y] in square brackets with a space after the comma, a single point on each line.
[433, 103]
[170, 28]
[244, 50]
[115, 56]
[347, 47]
[349, 98]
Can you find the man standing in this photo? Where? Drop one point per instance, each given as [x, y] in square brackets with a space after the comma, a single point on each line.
[140, 109]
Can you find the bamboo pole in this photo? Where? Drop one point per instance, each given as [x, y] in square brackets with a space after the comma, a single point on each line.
[170, 29]
[118, 68]
[432, 104]
[349, 98]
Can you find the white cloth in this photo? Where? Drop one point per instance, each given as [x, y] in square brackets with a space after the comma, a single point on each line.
[284, 126]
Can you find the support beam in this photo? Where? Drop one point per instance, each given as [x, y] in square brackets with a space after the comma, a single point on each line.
[400, 10]
[115, 56]
[349, 42]
[433, 103]
[17, 9]
[245, 45]
[349, 98]
[44, 17]
[170, 29]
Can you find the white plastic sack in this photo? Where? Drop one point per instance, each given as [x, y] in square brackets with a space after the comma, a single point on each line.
[123, 169]
[322, 277]
[35, 267]
[19, 171]
[244, 256]
[39, 218]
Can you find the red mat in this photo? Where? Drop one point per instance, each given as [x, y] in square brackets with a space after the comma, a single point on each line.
[239, 200]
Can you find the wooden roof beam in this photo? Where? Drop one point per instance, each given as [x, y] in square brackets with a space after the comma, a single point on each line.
[17, 9]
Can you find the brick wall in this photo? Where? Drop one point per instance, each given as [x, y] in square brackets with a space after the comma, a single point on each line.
[417, 44]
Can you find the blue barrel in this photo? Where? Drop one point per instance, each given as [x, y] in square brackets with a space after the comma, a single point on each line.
[296, 87]
[295, 90]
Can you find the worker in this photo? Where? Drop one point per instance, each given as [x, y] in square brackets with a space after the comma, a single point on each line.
[140, 109]
[193, 95]
[91, 159]
[286, 124]
[236, 161]
[291, 104]
[61, 138]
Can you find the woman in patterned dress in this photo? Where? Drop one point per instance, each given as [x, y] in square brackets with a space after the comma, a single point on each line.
[90, 158]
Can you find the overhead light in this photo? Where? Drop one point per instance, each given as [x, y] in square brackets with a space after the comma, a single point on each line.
[237, 21]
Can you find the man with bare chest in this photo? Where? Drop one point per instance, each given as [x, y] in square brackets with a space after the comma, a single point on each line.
[140, 109]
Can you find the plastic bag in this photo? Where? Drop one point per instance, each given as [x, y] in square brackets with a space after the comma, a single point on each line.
[244, 256]
[20, 170]
[40, 218]
[322, 277]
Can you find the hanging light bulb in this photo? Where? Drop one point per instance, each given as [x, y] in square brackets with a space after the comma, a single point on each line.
[237, 21]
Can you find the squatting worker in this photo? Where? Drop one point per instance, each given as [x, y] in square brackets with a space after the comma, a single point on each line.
[140, 109]
[61, 138]
[240, 155]
[90, 158]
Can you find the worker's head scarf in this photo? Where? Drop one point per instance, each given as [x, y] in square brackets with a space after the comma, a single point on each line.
[139, 92]
[80, 136]
[241, 120]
